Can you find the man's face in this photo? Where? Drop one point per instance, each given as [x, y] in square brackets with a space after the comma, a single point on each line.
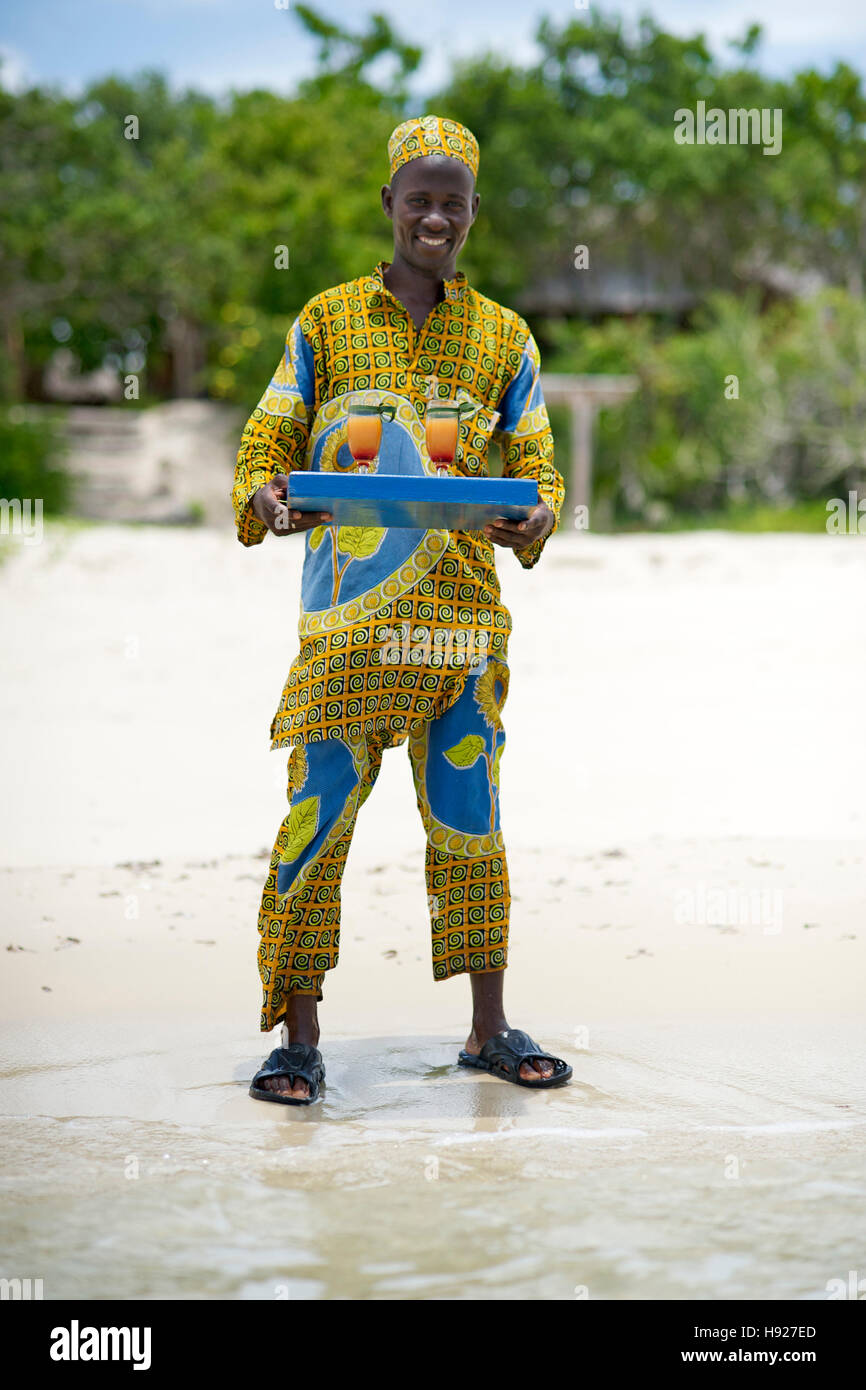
[432, 203]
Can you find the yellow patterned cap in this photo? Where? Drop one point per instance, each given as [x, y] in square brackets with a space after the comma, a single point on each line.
[425, 135]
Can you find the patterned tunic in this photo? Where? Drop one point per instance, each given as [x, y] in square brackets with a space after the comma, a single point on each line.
[365, 589]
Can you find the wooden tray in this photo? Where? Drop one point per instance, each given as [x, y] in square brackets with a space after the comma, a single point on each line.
[444, 503]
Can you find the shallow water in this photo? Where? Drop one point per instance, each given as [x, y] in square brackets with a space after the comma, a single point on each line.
[685, 1161]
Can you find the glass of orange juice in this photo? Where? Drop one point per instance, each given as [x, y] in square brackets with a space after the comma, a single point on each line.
[364, 432]
[443, 432]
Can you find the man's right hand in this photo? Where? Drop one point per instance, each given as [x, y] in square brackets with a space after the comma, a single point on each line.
[269, 505]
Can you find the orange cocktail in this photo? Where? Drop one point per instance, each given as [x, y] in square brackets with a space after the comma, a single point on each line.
[442, 434]
[443, 431]
[364, 430]
[364, 436]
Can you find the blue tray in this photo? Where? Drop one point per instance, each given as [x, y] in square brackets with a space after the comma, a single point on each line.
[446, 503]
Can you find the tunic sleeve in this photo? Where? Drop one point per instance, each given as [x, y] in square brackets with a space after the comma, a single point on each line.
[527, 443]
[276, 435]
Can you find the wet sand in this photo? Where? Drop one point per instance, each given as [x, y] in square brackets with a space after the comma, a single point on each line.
[685, 818]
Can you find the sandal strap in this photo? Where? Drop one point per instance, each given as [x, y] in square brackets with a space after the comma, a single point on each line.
[298, 1060]
[507, 1050]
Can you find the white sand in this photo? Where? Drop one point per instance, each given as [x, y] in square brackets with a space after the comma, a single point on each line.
[684, 804]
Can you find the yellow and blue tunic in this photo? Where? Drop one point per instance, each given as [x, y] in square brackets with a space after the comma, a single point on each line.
[403, 634]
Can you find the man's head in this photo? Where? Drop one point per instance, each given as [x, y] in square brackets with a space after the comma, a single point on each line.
[431, 198]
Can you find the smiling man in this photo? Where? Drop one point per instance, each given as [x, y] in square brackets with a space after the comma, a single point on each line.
[403, 635]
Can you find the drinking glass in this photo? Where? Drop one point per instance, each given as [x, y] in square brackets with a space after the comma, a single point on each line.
[443, 432]
[364, 432]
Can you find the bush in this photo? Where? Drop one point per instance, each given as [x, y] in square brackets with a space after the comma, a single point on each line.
[31, 459]
[742, 408]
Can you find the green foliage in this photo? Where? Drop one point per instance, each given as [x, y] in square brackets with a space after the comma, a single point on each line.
[123, 247]
[579, 148]
[685, 442]
[31, 460]
[345, 55]
[750, 518]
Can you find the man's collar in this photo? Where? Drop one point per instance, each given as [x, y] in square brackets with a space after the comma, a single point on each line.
[453, 288]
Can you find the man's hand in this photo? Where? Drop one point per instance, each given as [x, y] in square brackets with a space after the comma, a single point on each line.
[269, 505]
[516, 534]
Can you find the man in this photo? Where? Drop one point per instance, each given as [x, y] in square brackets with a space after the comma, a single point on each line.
[403, 636]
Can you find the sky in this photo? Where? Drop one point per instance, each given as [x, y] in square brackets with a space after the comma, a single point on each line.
[216, 45]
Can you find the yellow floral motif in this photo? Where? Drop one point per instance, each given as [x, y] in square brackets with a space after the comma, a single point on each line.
[491, 689]
[496, 756]
[359, 543]
[421, 562]
[465, 753]
[470, 748]
[300, 828]
[297, 768]
[331, 448]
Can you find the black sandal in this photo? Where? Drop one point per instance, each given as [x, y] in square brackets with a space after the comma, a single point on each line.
[503, 1054]
[298, 1060]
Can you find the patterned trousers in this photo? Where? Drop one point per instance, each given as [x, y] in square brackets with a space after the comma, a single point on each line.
[455, 766]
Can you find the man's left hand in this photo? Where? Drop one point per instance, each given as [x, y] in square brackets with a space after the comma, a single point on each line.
[516, 534]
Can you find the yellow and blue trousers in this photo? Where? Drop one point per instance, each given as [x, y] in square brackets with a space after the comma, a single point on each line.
[455, 765]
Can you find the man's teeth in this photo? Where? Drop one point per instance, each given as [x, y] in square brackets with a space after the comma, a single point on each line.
[433, 240]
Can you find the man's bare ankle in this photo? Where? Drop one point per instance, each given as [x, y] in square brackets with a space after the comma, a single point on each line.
[484, 1028]
[300, 1031]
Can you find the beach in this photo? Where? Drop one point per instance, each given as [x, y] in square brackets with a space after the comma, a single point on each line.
[683, 805]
